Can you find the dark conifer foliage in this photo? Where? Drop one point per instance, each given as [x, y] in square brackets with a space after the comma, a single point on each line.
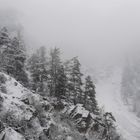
[13, 56]
[61, 83]
[33, 66]
[48, 74]
[55, 65]
[19, 60]
[90, 102]
[37, 65]
[4, 37]
[74, 81]
[5, 43]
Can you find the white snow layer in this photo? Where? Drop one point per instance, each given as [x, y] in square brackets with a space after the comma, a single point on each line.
[109, 96]
[12, 98]
[81, 110]
[10, 134]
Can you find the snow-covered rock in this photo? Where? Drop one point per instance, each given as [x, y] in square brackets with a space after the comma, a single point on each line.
[10, 134]
[27, 115]
[79, 110]
[12, 99]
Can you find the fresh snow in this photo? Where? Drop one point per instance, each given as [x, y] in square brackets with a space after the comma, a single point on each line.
[11, 134]
[12, 98]
[81, 110]
[109, 97]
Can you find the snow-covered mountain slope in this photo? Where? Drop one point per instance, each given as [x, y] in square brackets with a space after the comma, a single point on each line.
[109, 96]
[10, 134]
[12, 93]
[27, 115]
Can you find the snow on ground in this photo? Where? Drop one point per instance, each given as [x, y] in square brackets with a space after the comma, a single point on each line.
[12, 99]
[109, 96]
[10, 134]
[81, 110]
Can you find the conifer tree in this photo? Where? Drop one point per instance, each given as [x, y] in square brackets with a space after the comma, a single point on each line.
[43, 68]
[90, 102]
[33, 67]
[55, 64]
[37, 65]
[13, 56]
[4, 37]
[61, 83]
[5, 43]
[74, 81]
[19, 54]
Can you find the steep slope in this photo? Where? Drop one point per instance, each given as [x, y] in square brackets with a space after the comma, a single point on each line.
[30, 116]
[27, 115]
[130, 83]
[109, 96]
[12, 94]
[14, 112]
[10, 134]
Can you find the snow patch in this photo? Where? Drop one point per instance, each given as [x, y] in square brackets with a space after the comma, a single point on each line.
[109, 97]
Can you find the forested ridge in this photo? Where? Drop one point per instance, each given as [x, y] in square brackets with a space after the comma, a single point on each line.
[59, 100]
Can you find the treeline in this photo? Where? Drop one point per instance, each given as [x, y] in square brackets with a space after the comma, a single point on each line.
[13, 56]
[46, 73]
[63, 80]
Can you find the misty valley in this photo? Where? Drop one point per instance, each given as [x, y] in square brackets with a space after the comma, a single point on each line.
[69, 70]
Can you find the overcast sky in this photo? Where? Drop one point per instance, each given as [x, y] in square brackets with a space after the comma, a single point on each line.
[87, 28]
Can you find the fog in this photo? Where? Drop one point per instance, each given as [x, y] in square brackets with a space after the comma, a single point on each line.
[95, 30]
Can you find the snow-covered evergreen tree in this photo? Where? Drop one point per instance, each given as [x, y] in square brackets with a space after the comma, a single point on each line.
[43, 65]
[33, 67]
[13, 56]
[37, 65]
[4, 37]
[74, 81]
[19, 60]
[89, 99]
[55, 64]
[61, 83]
[5, 43]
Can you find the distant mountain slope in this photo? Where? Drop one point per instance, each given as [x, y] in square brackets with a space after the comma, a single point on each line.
[109, 96]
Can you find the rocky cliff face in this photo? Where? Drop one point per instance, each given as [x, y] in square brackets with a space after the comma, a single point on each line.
[29, 116]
